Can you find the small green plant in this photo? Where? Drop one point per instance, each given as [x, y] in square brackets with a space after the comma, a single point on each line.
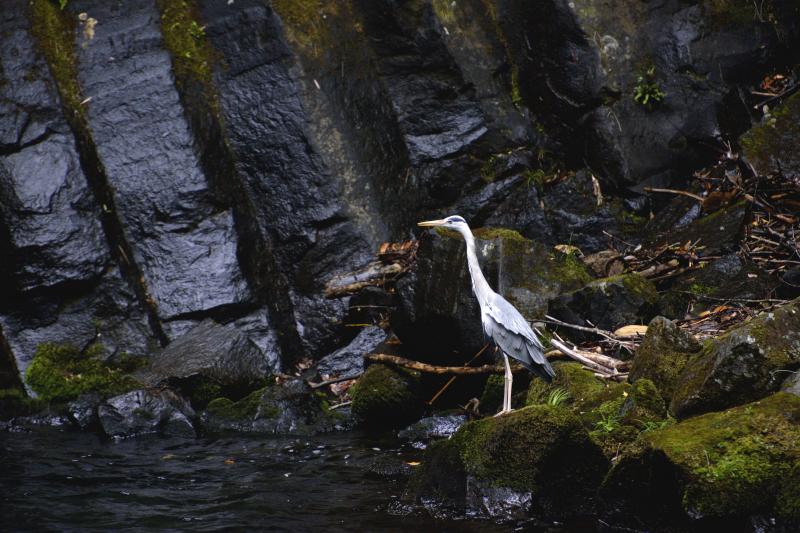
[607, 424]
[655, 425]
[557, 396]
[63, 4]
[196, 30]
[647, 91]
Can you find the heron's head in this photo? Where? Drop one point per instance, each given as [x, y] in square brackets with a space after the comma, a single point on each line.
[454, 222]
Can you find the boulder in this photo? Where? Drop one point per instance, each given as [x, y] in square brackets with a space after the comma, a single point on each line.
[731, 464]
[430, 428]
[742, 365]
[769, 146]
[288, 408]
[210, 354]
[349, 360]
[83, 410]
[141, 412]
[791, 384]
[538, 459]
[727, 277]
[663, 354]
[386, 396]
[609, 303]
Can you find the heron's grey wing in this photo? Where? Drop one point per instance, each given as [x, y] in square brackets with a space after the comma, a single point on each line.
[512, 334]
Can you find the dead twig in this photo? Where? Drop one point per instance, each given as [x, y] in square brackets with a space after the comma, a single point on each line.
[332, 381]
[676, 191]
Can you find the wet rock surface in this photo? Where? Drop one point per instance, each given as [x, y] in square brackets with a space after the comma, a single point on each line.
[349, 360]
[287, 408]
[431, 428]
[221, 354]
[141, 412]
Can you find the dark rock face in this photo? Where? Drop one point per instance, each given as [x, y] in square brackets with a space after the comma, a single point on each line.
[349, 361]
[742, 365]
[581, 63]
[141, 412]
[210, 351]
[59, 281]
[184, 243]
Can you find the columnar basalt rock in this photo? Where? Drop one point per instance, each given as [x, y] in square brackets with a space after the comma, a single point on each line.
[59, 278]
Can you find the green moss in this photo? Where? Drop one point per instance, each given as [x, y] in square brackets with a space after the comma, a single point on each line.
[192, 54]
[516, 94]
[513, 450]
[569, 271]
[492, 398]
[641, 287]
[730, 13]
[60, 372]
[487, 234]
[245, 409]
[770, 146]
[733, 461]
[386, 396]
[14, 402]
[54, 29]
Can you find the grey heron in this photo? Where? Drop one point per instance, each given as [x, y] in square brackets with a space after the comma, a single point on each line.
[502, 323]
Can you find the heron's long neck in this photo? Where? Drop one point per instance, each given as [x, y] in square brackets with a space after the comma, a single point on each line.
[479, 283]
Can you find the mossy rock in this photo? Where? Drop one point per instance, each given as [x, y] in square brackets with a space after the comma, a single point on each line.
[738, 462]
[663, 354]
[288, 408]
[61, 372]
[609, 302]
[742, 365]
[386, 396]
[14, 402]
[772, 145]
[585, 391]
[492, 398]
[541, 449]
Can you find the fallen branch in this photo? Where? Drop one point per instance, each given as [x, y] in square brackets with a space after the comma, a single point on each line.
[332, 381]
[586, 360]
[433, 369]
[675, 191]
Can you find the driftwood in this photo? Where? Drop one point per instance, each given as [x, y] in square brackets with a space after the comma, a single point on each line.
[394, 260]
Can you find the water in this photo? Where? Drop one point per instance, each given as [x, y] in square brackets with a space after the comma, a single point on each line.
[53, 480]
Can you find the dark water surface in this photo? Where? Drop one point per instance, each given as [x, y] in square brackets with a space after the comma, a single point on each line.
[53, 480]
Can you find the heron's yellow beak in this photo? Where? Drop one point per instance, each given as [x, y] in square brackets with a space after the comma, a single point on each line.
[431, 223]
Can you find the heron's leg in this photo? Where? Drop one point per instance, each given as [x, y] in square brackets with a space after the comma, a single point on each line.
[509, 381]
